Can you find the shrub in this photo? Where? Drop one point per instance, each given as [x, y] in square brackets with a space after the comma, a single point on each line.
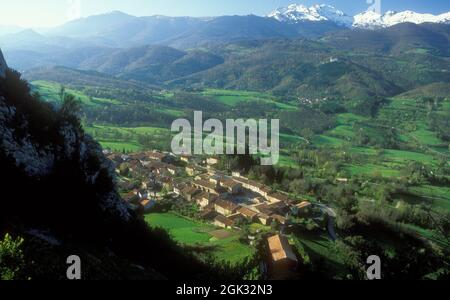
[11, 258]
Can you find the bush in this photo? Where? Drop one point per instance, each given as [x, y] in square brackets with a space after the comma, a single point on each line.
[11, 258]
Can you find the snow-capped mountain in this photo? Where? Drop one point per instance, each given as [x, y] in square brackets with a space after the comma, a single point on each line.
[372, 20]
[295, 13]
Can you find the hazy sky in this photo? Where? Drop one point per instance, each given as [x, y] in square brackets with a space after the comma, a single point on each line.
[45, 13]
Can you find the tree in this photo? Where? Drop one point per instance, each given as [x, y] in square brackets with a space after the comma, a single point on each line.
[70, 106]
[11, 258]
[70, 110]
[62, 92]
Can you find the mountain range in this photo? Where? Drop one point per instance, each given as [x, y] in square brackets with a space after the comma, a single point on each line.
[349, 64]
[295, 13]
[310, 51]
[120, 30]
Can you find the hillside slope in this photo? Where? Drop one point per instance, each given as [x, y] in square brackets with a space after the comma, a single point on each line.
[395, 40]
[152, 63]
[59, 195]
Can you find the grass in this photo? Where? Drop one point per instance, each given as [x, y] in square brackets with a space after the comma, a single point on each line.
[233, 98]
[182, 230]
[324, 140]
[349, 118]
[320, 247]
[231, 250]
[405, 156]
[50, 91]
[118, 146]
[372, 170]
[191, 232]
[428, 235]
[255, 228]
[426, 137]
[286, 161]
[440, 195]
[291, 139]
[446, 105]
[127, 138]
[342, 131]
[177, 113]
[418, 51]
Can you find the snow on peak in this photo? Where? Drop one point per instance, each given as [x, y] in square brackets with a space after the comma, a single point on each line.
[373, 20]
[296, 13]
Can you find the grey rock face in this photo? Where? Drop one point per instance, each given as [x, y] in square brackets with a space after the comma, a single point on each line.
[3, 65]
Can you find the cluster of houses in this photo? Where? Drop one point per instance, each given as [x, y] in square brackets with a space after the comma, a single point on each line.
[227, 199]
[312, 101]
[223, 200]
[154, 169]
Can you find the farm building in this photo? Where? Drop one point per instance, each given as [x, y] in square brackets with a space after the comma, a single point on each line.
[252, 186]
[283, 260]
[131, 198]
[172, 169]
[148, 204]
[212, 161]
[185, 158]
[225, 207]
[206, 186]
[248, 213]
[265, 219]
[190, 192]
[279, 219]
[231, 186]
[158, 156]
[303, 205]
[204, 199]
[193, 170]
[278, 197]
[222, 221]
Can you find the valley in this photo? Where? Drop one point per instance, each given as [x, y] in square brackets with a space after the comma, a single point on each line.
[394, 161]
[364, 109]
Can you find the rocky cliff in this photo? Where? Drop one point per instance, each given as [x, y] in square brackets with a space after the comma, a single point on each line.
[58, 193]
[3, 65]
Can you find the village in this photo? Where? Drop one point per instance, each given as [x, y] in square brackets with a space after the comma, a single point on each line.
[225, 201]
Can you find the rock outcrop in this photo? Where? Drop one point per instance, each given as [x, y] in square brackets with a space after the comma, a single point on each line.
[3, 65]
[58, 193]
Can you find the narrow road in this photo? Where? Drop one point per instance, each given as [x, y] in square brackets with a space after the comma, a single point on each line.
[330, 228]
[331, 220]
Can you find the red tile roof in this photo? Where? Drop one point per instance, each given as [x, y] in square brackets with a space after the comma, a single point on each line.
[280, 248]
[228, 205]
[247, 212]
[224, 220]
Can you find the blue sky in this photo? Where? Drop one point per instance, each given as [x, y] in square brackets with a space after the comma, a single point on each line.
[45, 13]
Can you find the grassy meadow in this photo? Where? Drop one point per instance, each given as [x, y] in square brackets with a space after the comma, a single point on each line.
[193, 233]
[406, 118]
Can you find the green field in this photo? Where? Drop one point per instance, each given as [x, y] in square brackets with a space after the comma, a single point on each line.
[407, 116]
[439, 195]
[372, 170]
[118, 138]
[118, 146]
[405, 156]
[181, 229]
[191, 233]
[50, 91]
[233, 98]
[329, 141]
